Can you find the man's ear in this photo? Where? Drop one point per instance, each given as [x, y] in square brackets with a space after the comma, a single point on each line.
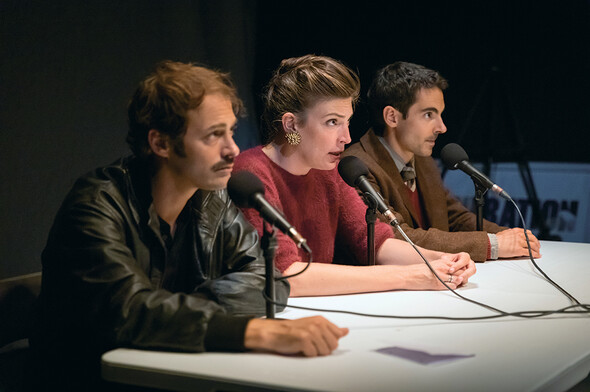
[391, 116]
[289, 121]
[159, 143]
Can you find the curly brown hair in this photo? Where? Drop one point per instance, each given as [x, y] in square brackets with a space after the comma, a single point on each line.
[162, 100]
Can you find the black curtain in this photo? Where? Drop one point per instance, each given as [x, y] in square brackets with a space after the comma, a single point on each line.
[68, 68]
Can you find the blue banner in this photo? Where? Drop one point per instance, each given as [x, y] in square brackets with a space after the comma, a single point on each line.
[563, 190]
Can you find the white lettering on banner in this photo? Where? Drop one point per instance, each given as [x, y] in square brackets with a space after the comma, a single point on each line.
[563, 190]
[559, 215]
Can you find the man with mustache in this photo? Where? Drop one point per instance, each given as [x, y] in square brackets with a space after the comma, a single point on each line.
[149, 252]
[405, 104]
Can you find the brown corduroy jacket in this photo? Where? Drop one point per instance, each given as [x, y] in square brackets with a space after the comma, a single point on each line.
[451, 225]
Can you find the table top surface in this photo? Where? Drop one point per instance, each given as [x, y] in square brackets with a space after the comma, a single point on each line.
[507, 353]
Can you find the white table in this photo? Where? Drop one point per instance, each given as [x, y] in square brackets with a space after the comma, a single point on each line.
[509, 354]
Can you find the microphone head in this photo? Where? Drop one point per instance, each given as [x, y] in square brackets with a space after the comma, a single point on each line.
[242, 186]
[351, 169]
[452, 154]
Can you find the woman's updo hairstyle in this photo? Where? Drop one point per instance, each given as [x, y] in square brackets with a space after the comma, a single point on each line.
[298, 83]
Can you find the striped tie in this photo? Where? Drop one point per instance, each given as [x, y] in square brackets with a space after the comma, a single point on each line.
[409, 176]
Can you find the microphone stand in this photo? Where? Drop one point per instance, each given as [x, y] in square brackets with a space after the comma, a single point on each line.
[370, 218]
[268, 243]
[479, 203]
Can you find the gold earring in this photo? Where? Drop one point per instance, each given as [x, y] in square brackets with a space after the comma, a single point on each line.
[293, 138]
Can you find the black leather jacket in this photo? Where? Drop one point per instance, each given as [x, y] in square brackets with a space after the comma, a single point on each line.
[104, 263]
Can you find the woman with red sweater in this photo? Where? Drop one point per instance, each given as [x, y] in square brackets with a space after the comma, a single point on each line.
[308, 104]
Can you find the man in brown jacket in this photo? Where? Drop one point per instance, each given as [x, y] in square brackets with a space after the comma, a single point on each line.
[405, 103]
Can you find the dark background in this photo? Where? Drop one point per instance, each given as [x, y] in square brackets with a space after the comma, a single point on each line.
[67, 69]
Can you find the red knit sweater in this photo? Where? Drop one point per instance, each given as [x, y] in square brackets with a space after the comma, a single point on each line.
[320, 205]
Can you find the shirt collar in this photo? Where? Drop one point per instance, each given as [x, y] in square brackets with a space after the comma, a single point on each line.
[399, 162]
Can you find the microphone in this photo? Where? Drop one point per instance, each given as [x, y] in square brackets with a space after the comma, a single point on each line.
[247, 191]
[454, 157]
[354, 172]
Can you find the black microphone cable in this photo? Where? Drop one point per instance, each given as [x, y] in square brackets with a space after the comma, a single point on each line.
[309, 260]
[568, 295]
[453, 156]
[397, 226]
[527, 314]
[395, 223]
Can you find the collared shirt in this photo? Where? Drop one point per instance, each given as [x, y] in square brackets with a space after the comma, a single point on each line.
[182, 268]
[399, 162]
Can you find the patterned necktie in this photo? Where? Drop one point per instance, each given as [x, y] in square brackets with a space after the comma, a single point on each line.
[409, 176]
